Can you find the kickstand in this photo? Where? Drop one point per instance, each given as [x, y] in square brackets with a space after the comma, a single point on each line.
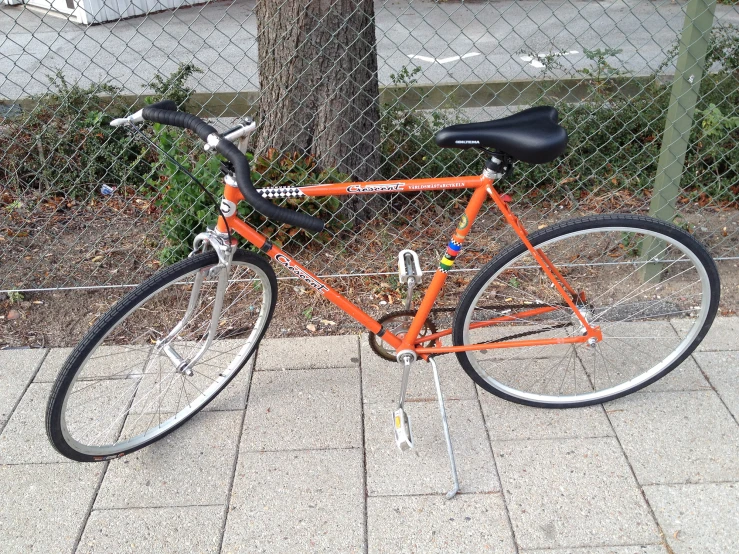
[445, 425]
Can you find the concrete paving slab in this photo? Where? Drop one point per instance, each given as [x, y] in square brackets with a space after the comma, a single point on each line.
[699, 519]
[24, 439]
[722, 335]
[572, 492]
[52, 364]
[509, 421]
[108, 361]
[298, 501]
[292, 410]
[172, 530]
[467, 523]
[381, 379]
[425, 468]
[43, 506]
[677, 437]
[189, 467]
[17, 368]
[308, 353]
[686, 376]
[722, 369]
[639, 549]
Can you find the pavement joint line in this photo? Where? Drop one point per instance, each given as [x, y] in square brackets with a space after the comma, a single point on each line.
[224, 518]
[435, 494]
[547, 439]
[495, 466]
[327, 449]
[364, 449]
[55, 463]
[64, 462]
[124, 508]
[25, 390]
[669, 391]
[636, 481]
[86, 518]
[713, 388]
[689, 483]
[281, 370]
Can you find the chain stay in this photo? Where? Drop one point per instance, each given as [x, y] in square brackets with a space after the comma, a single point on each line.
[501, 308]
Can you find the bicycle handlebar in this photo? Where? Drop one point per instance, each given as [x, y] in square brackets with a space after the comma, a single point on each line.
[166, 112]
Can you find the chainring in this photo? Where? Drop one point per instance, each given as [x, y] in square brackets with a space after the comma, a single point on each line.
[399, 329]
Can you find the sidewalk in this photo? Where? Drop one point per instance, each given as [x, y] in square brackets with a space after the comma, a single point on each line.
[302, 459]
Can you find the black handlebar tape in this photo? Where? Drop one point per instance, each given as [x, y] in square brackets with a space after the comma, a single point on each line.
[183, 120]
[170, 105]
[241, 167]
[258, 202]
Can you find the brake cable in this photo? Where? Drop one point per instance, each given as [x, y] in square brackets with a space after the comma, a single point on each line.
[186, 172]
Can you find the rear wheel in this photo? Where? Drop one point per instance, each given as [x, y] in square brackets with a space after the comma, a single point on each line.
[121, 388]
[651, 287]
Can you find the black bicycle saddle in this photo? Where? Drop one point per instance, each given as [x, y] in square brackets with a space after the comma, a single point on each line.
[532, 136]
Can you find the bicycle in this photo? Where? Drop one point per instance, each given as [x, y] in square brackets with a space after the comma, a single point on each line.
[574, 314]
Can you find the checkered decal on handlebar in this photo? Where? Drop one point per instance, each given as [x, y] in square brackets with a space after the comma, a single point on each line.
[281, 192]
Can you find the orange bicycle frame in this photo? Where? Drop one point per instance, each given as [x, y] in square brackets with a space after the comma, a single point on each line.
[482, 188]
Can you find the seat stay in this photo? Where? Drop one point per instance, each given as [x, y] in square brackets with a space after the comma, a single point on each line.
[591, 332]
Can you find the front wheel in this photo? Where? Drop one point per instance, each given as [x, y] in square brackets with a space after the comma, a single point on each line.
[651, 288]
[142, 369]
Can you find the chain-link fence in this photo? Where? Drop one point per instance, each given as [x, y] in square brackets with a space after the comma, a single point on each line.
[354, 90]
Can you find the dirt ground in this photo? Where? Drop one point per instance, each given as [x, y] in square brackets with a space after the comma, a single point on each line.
[122, 253]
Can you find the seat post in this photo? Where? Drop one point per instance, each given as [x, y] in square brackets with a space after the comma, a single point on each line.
[498, 167]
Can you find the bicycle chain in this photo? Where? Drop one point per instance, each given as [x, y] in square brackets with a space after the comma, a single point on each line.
[430, 324]
[502, 307]
[527, 333]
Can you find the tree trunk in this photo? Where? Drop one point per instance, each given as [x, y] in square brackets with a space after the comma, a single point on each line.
[318, 78]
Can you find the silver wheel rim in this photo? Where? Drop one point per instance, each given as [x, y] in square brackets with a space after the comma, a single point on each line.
[196, 402]
[638, 380]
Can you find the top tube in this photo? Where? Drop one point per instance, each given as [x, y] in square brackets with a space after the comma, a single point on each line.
[380, 187]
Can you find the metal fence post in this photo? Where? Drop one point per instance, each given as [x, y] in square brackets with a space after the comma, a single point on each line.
[683, 99]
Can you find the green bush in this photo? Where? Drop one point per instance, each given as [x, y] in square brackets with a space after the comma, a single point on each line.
[64, 145]
[614, 136]
[407, 147]
[187, 209]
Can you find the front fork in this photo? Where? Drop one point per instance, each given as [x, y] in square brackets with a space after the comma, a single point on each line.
[225, 248]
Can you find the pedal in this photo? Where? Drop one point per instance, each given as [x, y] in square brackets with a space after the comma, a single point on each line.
[403, 437]
[409, 266]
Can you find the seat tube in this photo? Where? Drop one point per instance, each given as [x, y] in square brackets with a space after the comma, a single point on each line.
[445, 264]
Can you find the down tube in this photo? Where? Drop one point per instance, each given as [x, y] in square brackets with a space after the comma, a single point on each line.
[331, 295]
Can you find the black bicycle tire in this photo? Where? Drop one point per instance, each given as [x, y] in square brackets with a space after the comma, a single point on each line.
[110, 319]
[563, 228]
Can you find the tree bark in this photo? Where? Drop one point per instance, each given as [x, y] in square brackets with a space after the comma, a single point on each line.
[318, 78]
